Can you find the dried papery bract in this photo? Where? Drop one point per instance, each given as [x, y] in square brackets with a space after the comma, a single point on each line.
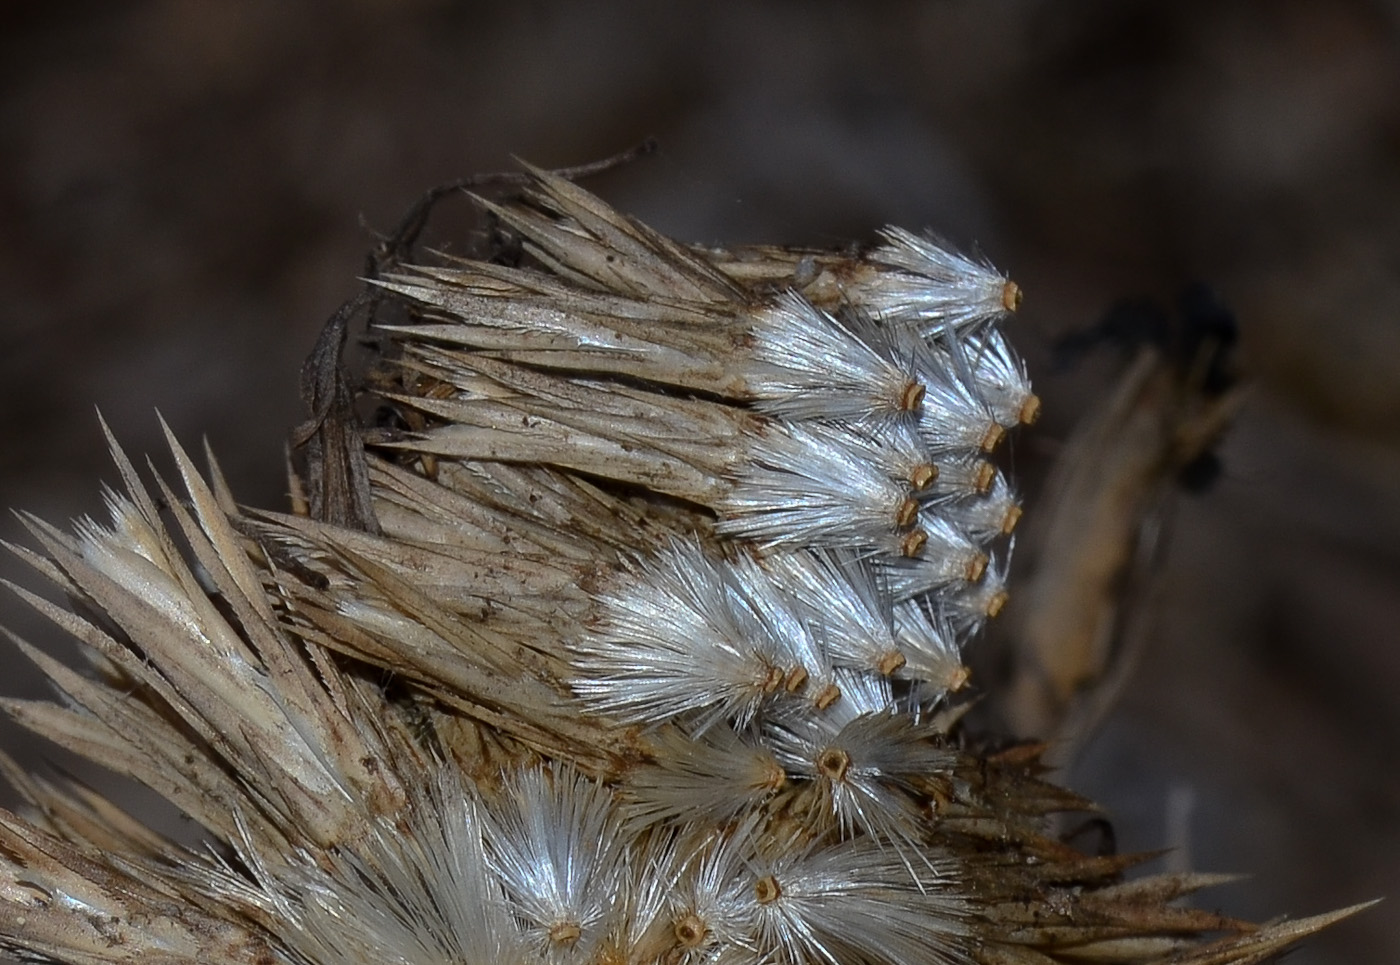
[632, 633]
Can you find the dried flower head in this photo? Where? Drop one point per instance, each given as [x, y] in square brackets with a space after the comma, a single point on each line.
[630, 634]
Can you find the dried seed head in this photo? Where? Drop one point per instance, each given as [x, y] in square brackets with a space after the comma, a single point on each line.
[757, 727]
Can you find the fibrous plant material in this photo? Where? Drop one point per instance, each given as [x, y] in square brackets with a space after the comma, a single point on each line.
[631, 633]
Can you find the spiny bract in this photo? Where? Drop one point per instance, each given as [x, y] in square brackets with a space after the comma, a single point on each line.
[629, 635]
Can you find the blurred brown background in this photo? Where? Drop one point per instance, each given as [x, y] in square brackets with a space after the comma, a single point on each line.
[187, 190]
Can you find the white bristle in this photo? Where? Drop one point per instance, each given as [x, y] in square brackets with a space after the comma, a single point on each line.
[706, 778]
[853, 901]
[1001, 378]
[715, 895]
[954, 418]
[816, 485]
[812, 677]
[982, 517]
[950, 561]
[936, 289]
[958, 476]
[676, 641]
[968, 610]
[858, 755]
[809, 366]
[553, 840]
[419, 893]
[899, 450]
[932, 649]
[848, 606]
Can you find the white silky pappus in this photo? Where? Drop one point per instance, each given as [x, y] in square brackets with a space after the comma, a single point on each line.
[962, 608]
[705, 778]
[950, 561]
[960, 476]
[815, 485]
[553, 839]
[983, 517]
[967, 612]
[673, 642]
[955, 416]
[812, 676]
[935, 289]
[807, 365]
[932, 649]
[847, 606]
[977, 389]
[1000, 376]
[851, 901]
[980, 516]
[416, 890]
[711, 900]
[858, 756]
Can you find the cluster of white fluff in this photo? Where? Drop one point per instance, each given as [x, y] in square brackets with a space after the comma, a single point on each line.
[695, 557]
[788, 656]
[641, 655]
[547, 871]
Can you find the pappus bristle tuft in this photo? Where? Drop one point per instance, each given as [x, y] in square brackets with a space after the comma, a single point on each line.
[629, 634]
[858, 757]
[553, 840]
[704, 778]
[1001, 379]
[677, 641]
[814, 485]
[810, 366]
[852, 900]
[936, 289]
[846, 604]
